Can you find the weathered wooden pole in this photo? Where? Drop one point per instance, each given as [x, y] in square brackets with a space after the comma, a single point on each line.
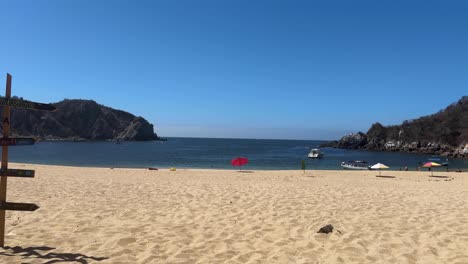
[3, 180]
[6, 141]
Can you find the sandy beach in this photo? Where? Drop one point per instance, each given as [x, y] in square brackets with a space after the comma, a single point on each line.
[104, 215]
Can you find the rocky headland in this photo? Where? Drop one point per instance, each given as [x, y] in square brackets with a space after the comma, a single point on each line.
[81, 120]
[444, 133]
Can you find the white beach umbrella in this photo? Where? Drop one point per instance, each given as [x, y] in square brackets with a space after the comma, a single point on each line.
[379, 166]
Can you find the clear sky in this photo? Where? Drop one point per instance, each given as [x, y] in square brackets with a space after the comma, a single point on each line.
[233, 68]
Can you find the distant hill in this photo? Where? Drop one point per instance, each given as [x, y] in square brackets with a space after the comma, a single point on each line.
[81, 120]
[444, 133]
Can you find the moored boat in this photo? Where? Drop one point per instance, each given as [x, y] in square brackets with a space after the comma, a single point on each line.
[315, 154]
[355, 165]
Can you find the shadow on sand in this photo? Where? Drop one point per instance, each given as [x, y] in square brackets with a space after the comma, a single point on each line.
[383, 176]
[33, 253]
[436, 176]
[244, 171]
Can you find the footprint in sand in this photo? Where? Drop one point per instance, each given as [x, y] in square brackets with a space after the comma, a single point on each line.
[125, 241]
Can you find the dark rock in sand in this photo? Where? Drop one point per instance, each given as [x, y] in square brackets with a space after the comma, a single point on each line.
[326, 229]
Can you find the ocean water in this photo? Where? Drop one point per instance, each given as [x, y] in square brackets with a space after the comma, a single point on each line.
[206, 153]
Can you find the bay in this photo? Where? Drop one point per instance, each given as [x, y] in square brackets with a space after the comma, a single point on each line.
[265, 154]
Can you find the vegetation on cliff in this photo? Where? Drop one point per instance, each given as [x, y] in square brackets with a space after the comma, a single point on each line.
[444, 133]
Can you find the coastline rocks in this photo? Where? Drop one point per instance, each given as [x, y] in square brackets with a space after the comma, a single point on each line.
[353, 140]
[80, 120]
[413, 146]
[392, 145]
[444, 133]
[461, 151]
[329, 144]
[138, 130]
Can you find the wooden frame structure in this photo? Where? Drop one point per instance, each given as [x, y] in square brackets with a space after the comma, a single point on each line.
[6, 141]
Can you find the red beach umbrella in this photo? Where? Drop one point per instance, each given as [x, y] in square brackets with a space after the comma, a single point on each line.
[239, 161]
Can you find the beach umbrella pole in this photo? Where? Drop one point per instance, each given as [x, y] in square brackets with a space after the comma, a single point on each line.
[430, 166]
[239, 162]
[379, 166]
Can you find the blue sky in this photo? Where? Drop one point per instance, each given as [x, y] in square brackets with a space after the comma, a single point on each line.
[243, 69]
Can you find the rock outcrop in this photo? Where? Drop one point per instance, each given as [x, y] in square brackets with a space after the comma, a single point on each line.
[444, 133]
[80, 120]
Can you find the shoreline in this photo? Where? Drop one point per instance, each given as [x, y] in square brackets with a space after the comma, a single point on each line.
[424, 170]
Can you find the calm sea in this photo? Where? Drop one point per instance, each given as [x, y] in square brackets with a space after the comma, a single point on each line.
[206, 153]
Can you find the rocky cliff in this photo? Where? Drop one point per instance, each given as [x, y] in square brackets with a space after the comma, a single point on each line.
[81, 120]
[444, 133]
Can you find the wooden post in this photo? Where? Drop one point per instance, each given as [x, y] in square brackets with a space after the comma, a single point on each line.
[5, 141]
[3, 181]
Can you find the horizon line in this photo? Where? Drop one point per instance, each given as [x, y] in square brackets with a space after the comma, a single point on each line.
[247, 138]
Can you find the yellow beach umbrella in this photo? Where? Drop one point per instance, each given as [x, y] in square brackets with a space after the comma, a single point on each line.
[431, 164]
[379, 166]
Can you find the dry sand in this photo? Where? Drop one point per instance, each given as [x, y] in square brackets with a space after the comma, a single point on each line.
[103, 215]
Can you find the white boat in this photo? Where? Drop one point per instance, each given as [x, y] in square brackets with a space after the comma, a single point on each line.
[315, 154]
[355, 165]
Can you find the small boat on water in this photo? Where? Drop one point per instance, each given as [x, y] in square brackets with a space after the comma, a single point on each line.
[315, 154]
[355, 165]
